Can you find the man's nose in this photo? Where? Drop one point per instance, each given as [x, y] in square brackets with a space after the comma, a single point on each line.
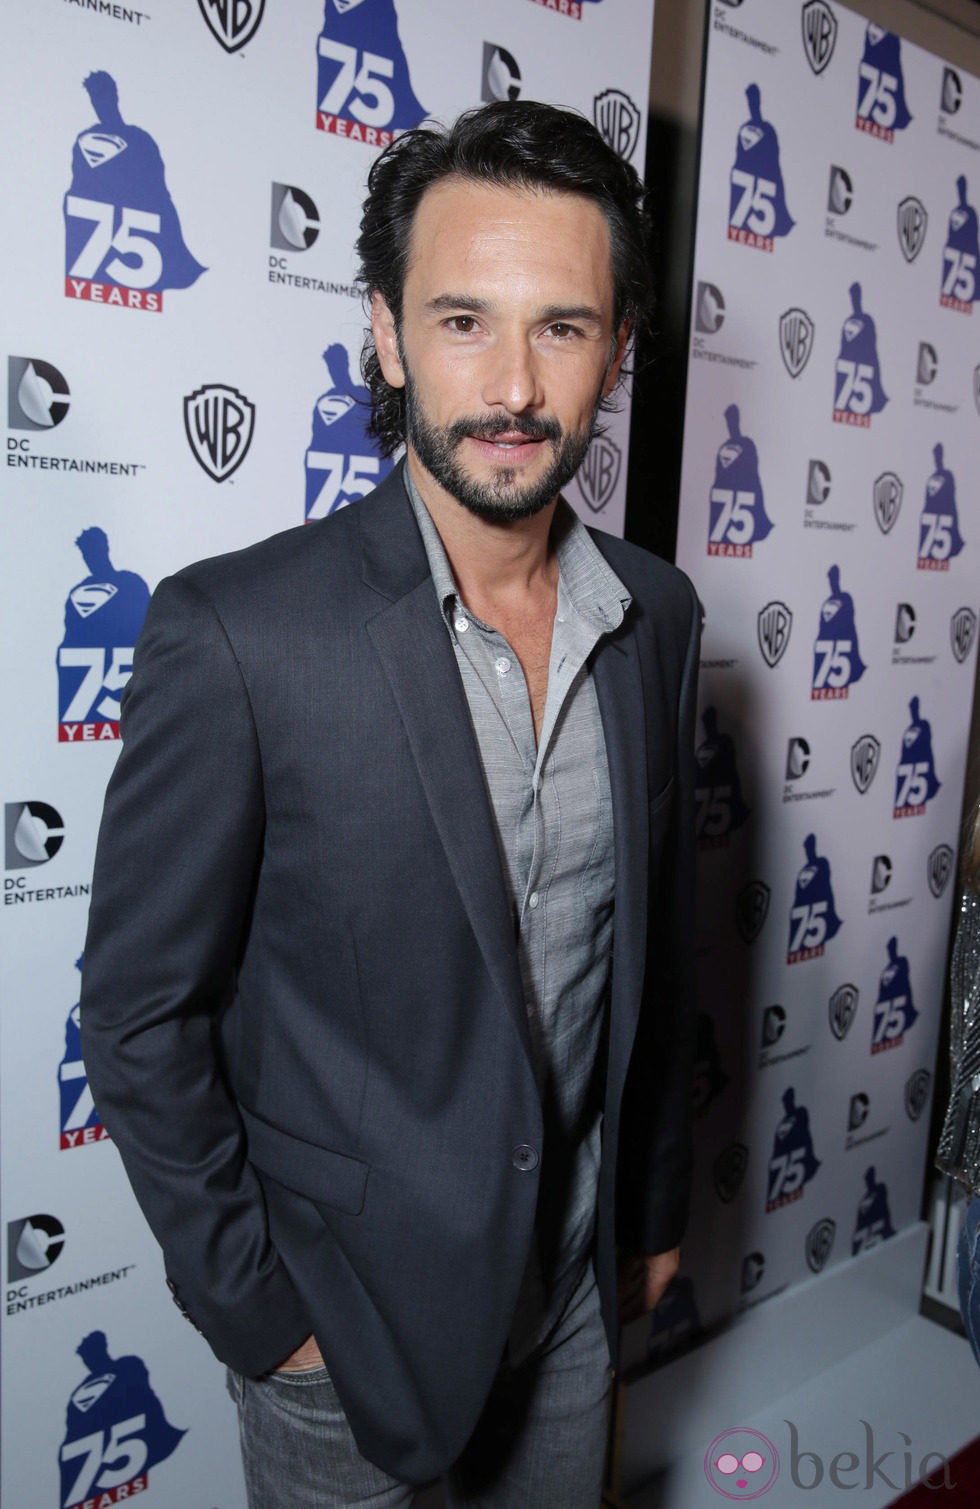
[513, 379]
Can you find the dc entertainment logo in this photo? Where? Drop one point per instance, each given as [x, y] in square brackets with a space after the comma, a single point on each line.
[858, 392]
[757, 210]
[501, 74]
[738, 512]
[115, 1429]
[364, 89]
[793, 1162]
[219, 423]
[940, 540]
[123, 240]
[961, 256]
[837, 660]
[232, 22]
[34, 833]
[37, 394]
[295, 219]
[103, 616]
[894, 1010]
[342, 462]
[813, 919]
[79, 1121]
[709, 309]
[915, 777]
[951, 97]
[33, 1244]
[873, 1224]
[840, 191]
[881, 106]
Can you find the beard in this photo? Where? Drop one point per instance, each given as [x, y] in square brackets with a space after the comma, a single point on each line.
[502, 497]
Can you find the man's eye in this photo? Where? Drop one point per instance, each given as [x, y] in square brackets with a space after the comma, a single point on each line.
[562, 331]
[464, 324]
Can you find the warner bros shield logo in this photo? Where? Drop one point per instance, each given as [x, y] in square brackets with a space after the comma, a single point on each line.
[219, 422]
[232, 22]
[617, 120]
[962, 632]
[752, 909]
[795, 340]
[599, 473]
[939, 867]
[819, 1244]
[819, 33]
[912, 221]
[917, 1093]
[887, 498]
[842, 1009]
[865, 754]
[729, 1171]
[774, 625]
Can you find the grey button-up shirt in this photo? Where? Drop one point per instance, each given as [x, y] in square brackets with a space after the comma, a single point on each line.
[553, 815]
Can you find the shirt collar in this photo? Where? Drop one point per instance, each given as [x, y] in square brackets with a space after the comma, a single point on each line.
[587, 582]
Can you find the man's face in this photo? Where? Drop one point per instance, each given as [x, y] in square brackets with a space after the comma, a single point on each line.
[506, 342]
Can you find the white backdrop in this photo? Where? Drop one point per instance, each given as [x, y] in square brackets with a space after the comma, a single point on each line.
[181, 353]
[829, 520]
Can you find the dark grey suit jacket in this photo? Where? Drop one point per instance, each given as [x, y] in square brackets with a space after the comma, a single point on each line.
[302, 1012]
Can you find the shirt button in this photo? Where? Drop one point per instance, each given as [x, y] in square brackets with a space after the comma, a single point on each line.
[525, 1158]
[503, 665]
[461, 625]
[532, 900]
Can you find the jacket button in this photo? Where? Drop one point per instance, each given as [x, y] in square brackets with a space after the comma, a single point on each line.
[525, 1158]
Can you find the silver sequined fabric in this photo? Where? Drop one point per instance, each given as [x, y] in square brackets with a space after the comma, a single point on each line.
[959, 1144]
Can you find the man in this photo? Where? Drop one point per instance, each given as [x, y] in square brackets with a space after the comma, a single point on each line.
[355, 1012]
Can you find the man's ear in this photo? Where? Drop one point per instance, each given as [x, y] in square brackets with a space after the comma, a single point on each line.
[612, 371]
[385, 335]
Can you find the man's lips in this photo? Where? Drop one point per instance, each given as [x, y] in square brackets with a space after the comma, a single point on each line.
[512, 446]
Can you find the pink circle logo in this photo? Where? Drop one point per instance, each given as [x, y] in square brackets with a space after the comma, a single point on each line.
[741, 1464]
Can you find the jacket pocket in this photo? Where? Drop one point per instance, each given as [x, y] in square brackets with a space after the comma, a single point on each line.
[319, 1173]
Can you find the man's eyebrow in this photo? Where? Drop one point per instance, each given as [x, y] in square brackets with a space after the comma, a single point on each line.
[443, 303]
[446, 301]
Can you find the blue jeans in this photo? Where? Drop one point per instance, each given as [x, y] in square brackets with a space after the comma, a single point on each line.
[968, 1273]
[539, 1443]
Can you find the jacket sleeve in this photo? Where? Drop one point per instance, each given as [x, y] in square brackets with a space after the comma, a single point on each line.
[656, 1141]
[178, 853]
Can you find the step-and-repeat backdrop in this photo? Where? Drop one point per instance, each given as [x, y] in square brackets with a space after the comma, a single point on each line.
[829, 519]
[182, 182]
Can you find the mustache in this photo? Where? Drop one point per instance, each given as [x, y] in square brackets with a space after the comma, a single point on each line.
[489, 426]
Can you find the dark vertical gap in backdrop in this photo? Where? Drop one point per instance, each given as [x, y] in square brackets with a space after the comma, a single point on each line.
[660, 381]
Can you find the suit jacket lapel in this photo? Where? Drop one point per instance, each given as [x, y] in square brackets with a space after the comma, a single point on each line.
[413, 644]
[619, 689]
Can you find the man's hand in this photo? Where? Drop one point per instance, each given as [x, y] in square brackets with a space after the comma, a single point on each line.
[642, 1280]
[304, 1359]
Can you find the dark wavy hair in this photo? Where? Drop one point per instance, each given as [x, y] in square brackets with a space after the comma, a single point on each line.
[520, 144]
